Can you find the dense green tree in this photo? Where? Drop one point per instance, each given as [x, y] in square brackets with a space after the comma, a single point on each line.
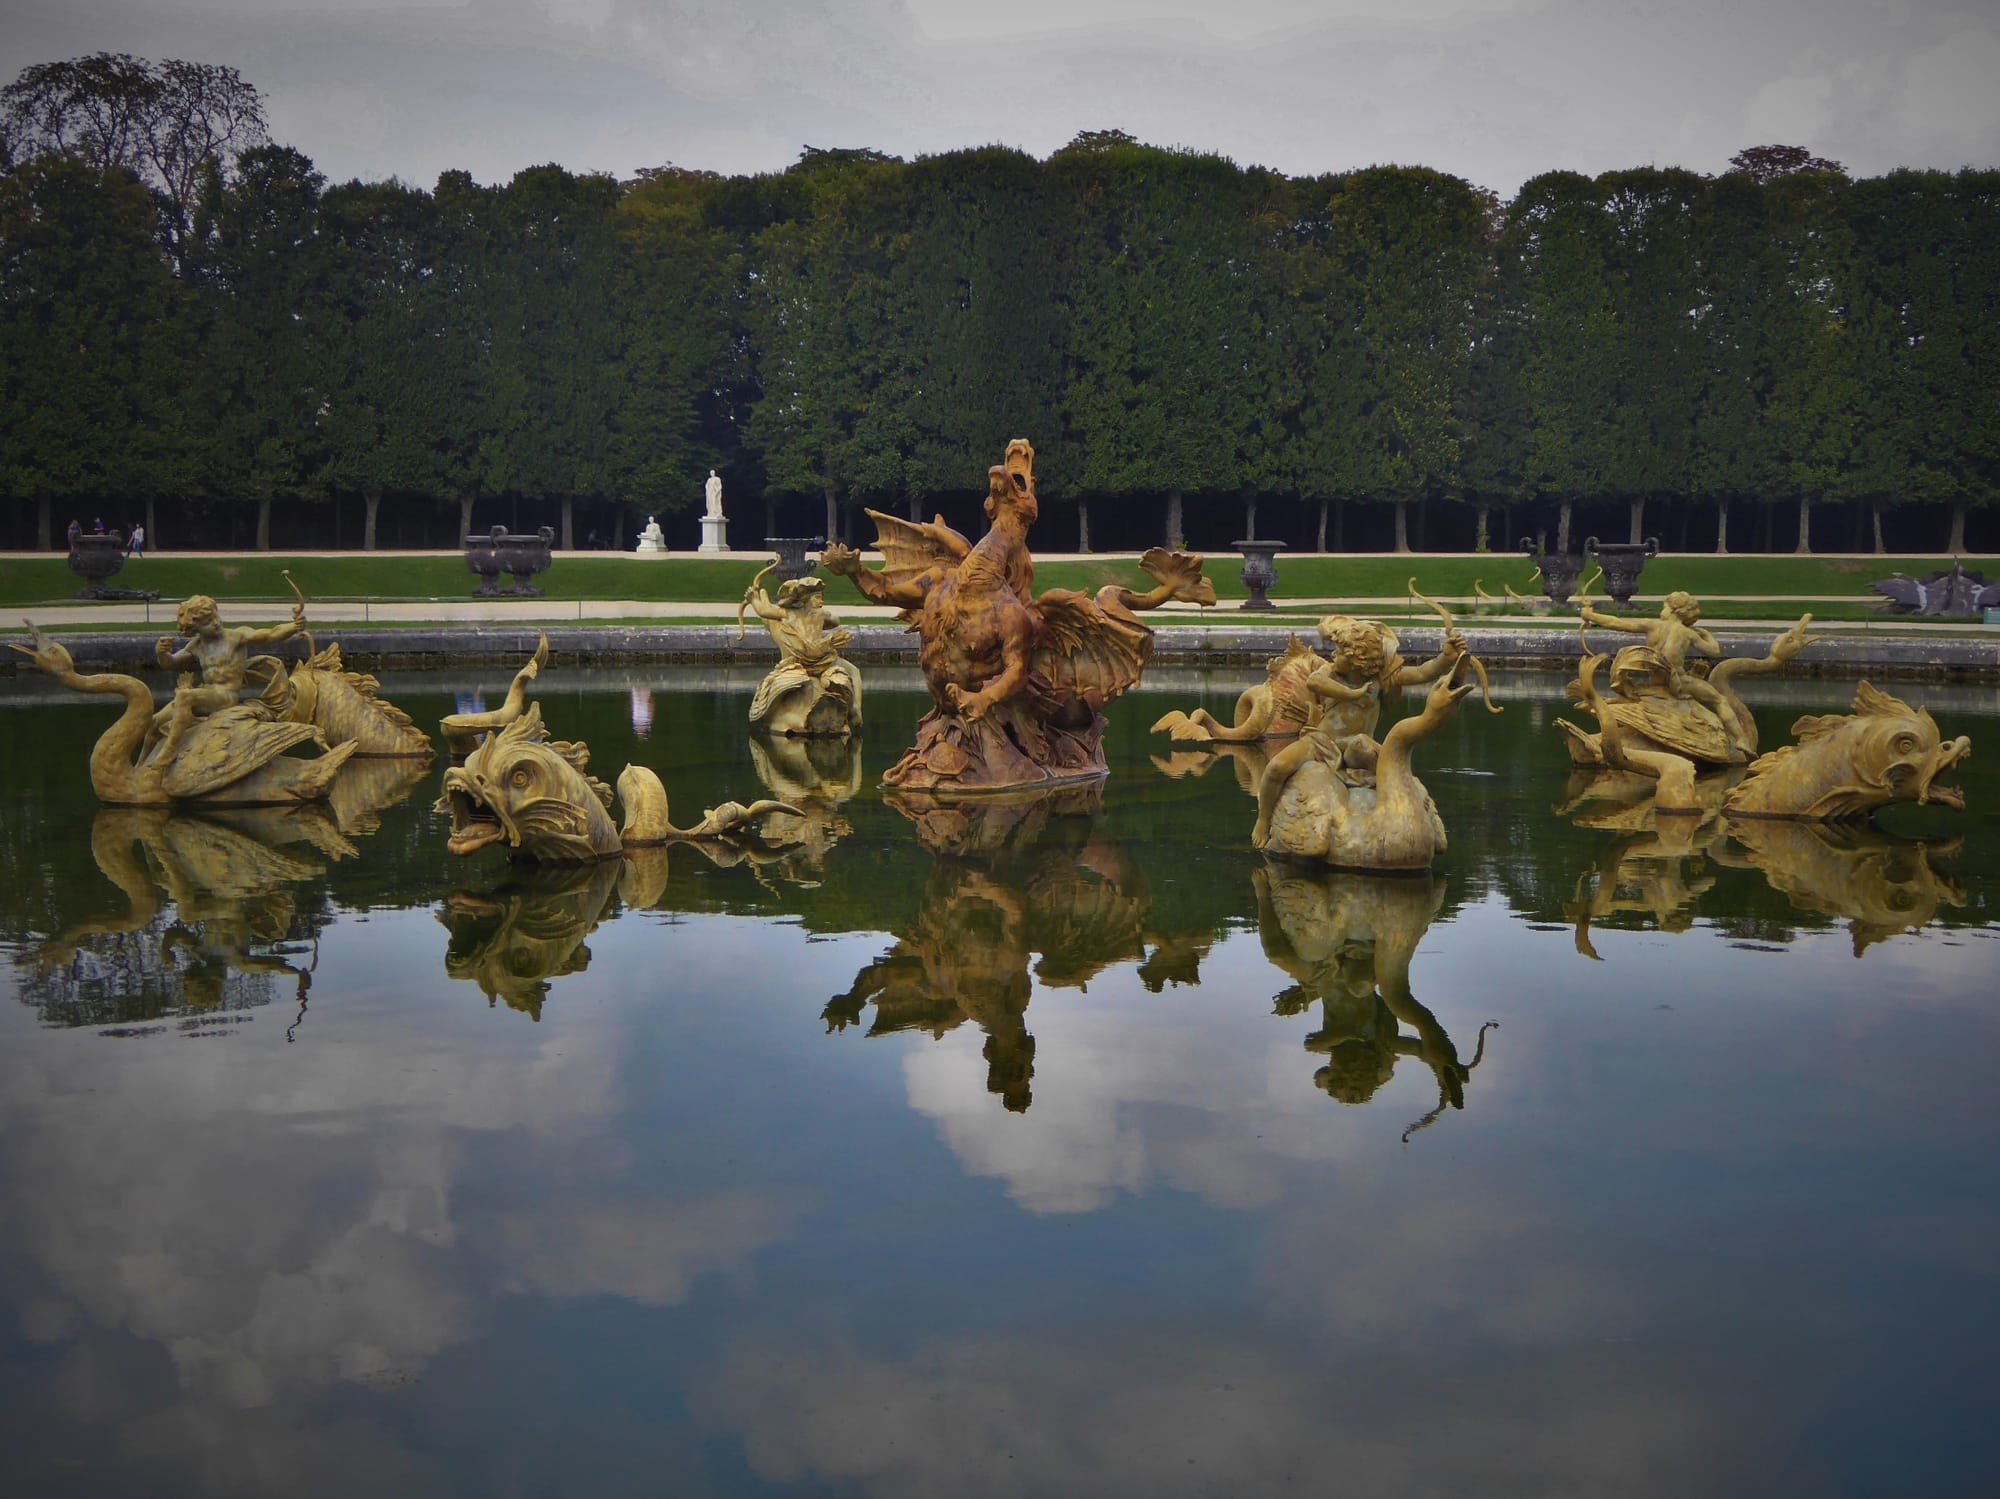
[93, 351]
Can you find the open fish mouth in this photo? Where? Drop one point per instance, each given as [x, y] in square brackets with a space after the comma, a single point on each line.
[1949, 757]
[475, 822]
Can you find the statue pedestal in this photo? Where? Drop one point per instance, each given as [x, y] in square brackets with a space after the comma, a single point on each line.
[714, 533]
[651, 546]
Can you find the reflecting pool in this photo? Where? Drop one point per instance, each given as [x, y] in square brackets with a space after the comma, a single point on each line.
[1068, 1149]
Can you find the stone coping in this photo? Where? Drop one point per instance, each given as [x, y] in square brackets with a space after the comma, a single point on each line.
[1971, 657]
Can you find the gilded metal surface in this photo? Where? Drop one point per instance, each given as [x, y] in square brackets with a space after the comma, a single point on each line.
[204, 746]
[1846, 765]
[1017, 682]
[1336, 793]
[512, 784]
[813, 690]
[1660, 718]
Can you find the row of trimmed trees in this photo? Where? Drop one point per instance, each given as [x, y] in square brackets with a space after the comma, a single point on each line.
[1386, 355]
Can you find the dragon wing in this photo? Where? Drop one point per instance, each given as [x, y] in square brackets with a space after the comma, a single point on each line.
[227, 746]
[912, 548]
[1088, 650]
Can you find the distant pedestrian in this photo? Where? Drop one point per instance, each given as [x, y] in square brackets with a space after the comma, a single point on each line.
[75, 530]
[135, 546]
[98, 528]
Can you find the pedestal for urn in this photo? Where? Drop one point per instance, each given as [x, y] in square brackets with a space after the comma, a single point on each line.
[1622, 562]
[95, 558]
[714, 533]
[1260, 572]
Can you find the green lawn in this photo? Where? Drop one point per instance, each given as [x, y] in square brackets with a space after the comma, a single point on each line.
[43, 580]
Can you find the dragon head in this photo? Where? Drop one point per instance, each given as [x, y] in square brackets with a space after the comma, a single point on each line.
[1010, 484]
[520, 788]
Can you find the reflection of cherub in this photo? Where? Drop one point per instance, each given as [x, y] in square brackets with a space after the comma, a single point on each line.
[1348, 691]
[221, 653]
[812, 689]
[1677, 631]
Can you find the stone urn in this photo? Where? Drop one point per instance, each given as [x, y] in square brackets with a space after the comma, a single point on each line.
[1622, 562]
[521, 557]
[794, 554]
[95, 558]
[1559, 572]
[1260, 572]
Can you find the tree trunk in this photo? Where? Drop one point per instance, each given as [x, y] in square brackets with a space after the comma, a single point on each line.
[1176, 537]
[1721, 528]
[1083, 525]
[567, 540]
[1562, 529]
[464, 517]
[1249, 520]
[43, 543]
[264, 524]
[1402, 526]
[1319, 541]
[370, 503]
[1804, 548]
[916, 508]
[832, 515]
[618, 528]
[1957, 542]
[1638, 522]
[1480, 536]
[1875, 516]
[1340, 525]
[151, 530]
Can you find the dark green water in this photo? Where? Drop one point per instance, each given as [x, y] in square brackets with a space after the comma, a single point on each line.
[1099, 1166]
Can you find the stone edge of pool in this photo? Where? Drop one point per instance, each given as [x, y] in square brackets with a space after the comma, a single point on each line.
[1971, 657]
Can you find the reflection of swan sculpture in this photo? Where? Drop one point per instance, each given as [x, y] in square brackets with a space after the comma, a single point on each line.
[1347, 941]
[228, 879]
[234, 756]
[1664, 866]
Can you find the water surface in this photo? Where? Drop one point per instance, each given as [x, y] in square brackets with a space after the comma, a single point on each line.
[1109, 1161]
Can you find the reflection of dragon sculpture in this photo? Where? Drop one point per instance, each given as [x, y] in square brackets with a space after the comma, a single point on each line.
[1017, 682]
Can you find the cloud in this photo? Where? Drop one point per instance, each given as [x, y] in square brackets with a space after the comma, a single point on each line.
[1492, 90]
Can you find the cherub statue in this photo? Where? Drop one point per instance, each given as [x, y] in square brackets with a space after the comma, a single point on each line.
[1017, 683]
[1348, 690]
[1677, 631]
[221, 653]
[813, 690]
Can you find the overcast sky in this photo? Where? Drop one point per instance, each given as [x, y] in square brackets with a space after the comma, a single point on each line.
[1492, 90]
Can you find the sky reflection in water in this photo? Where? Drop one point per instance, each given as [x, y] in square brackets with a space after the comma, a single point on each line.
[1109, 1163]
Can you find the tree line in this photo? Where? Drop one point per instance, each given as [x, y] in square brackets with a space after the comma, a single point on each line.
[194, 321]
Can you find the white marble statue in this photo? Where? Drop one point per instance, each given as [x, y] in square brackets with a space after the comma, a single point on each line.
[652, 539]
[713, 489]
[714, 528]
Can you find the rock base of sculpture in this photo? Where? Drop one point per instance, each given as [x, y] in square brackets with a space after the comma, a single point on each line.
[714, 533]
[955, 757]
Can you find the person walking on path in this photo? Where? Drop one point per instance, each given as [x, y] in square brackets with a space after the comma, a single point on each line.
[135, 544]
[75, 530]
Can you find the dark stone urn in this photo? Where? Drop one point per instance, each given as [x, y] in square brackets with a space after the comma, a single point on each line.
[1260, 572]
[95, 558]
[1559, 572]
[1622, 562]
[794, 554]
[520, 557]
